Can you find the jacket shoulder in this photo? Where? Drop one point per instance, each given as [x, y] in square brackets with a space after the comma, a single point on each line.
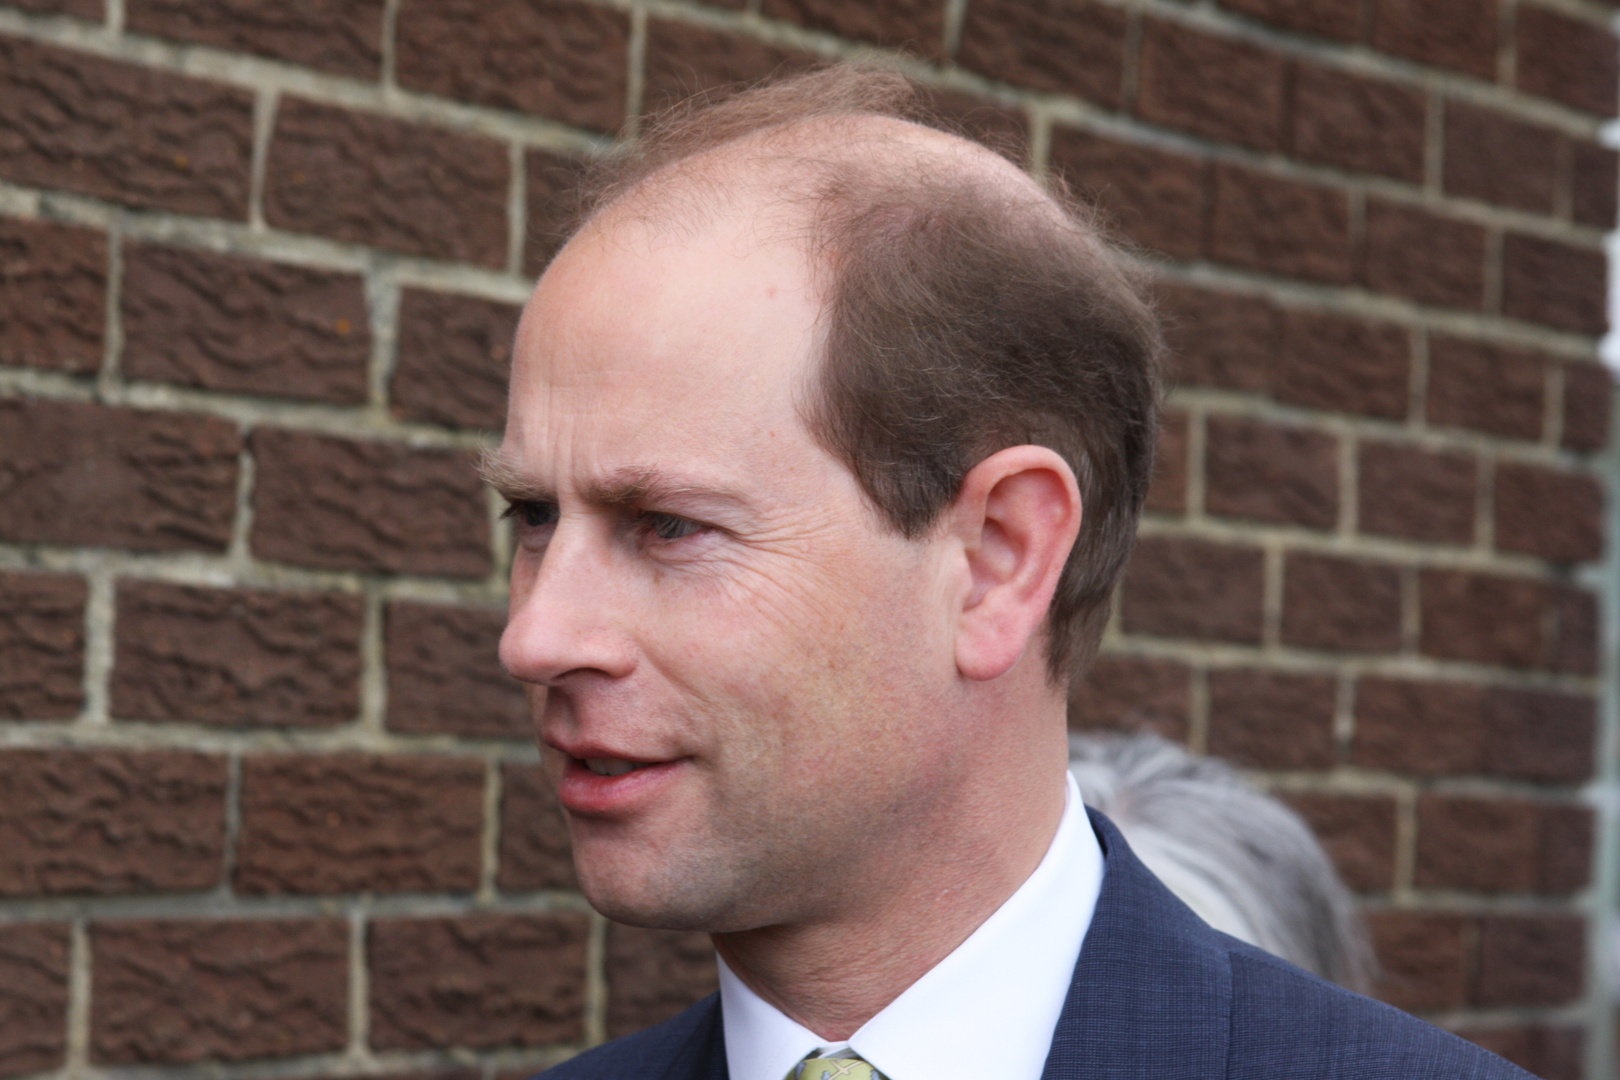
[688, 1046]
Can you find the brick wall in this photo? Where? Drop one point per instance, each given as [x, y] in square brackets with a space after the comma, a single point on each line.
[267, 804]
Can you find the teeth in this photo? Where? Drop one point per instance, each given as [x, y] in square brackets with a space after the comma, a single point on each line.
[610, 766]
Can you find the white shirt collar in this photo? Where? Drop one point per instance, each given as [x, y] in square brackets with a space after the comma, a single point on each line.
[995, 999]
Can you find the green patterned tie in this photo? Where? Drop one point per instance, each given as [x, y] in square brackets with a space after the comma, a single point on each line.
[848, 1066]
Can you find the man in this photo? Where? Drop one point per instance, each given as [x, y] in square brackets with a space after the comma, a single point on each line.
[827, 437]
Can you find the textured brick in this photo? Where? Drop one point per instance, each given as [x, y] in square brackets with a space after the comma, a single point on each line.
[684, 59]
[1421, 256]
[1066, 48]
[227, 323]
[1339, 19]
[918, 26]
[236, 657]
[342, 504]
[1268, 472]
[654, 974]
[1272, 720]
[121, 132]
[1575, 61]
[333, 823]
[1588, 392]
[1553, 1053]
[1573, 636]
[535, 851]
[1279, 226]
[444, 674]
[1424, 959]
[1550, 514]
[1332, 603]
[1455, 34]
[1359, 124]
[75, 473]
[1594, 180]
[1342, 364]
[559, 59]
[1415, 494]
[1495, 158]
[1554, 283]
[33, 997]
[1358, 833]
[41, 646]
[1133, 694]
[1219, 339]
[552, 188]
[170, 992]
[109, 821]
[340, 36]
[386, 182]
[454, 355]
[1502, 845]
[1193, 588]
[1168, 493]
[1539, 735]
[80, 9]
[1530, 960]
[1217, 87]
[1496, 390]
[1482, 618]
[477, 981]
[1155, 198]
[53, 283]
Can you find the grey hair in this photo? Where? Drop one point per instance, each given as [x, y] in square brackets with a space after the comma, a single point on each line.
[1239, 858]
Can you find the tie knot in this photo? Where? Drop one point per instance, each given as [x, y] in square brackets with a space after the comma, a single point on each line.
[847, 1066]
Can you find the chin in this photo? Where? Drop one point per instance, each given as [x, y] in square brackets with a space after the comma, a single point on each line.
[656, 897]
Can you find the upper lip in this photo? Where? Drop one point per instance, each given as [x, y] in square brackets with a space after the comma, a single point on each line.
[590, 750]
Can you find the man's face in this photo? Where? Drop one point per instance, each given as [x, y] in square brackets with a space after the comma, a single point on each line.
[700, 590]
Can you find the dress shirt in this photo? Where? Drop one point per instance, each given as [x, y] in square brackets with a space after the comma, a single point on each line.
[993, 1001]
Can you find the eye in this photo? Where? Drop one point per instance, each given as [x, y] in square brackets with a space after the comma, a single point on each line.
[670, 527]
[531, 515]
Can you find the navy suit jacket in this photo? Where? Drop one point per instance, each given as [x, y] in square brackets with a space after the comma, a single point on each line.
[1157, 995]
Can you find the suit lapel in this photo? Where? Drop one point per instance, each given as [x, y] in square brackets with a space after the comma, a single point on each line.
[1152, 990]
[702, 1054]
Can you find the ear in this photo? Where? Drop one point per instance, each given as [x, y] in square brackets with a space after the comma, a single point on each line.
[1017, 517]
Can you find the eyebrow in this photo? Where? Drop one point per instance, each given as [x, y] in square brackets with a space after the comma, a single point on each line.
[628, 487]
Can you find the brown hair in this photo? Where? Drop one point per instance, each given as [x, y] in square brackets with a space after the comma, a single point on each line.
[962, 317]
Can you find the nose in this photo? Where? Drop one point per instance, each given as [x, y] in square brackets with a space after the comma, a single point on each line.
[565, 612]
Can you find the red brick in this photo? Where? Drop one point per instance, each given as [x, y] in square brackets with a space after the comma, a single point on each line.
[535, 851]
[388, 183]
[1482, 618]
[552, 184]
[1574, 636]
[1530, 960]
[1554, 283]
[1421, 256]
[444, 674]
[1502, 845]
[1154, 197]
[122, 132]
[1424, 959]
[1358, 833]
[1496, 390]
[1133, 694]
[347, 505]
[1268, 472]
[654, 974]
[340, 36]
[918, 26]
[1168, 494]
[1065, 48]
[477, 981]
[1575, 61]
[1000, 127]
[1339, 19]
[1554, 1053]
[1193, 588]
[684, 59]
[1495, 158]
[1455, 34]
[1332, 603]
[1343, 365]
[235, 657]
[1420, 728]
[177, 991]
[1359, 124]
[335, 823]
[79, 9]
[1588, 391]
[33, 997]
[108, 821]
[558, 59]
[454, 356]
[1551, 514]
[1219, 339]
[90, 474]
[222, 322]
[1272, 720]
[41, 646]
[53, 284]
[1594, 179]
[1539, 735]
[1278, 226]
[1217, 87]
[1415, 494]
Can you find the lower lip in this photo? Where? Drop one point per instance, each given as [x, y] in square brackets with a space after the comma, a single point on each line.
[585, 792]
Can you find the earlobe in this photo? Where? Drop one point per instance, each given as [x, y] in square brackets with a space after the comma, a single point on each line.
[1018, 514]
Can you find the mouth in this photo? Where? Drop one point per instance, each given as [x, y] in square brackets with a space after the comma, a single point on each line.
[614, 766]
[610, 787]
